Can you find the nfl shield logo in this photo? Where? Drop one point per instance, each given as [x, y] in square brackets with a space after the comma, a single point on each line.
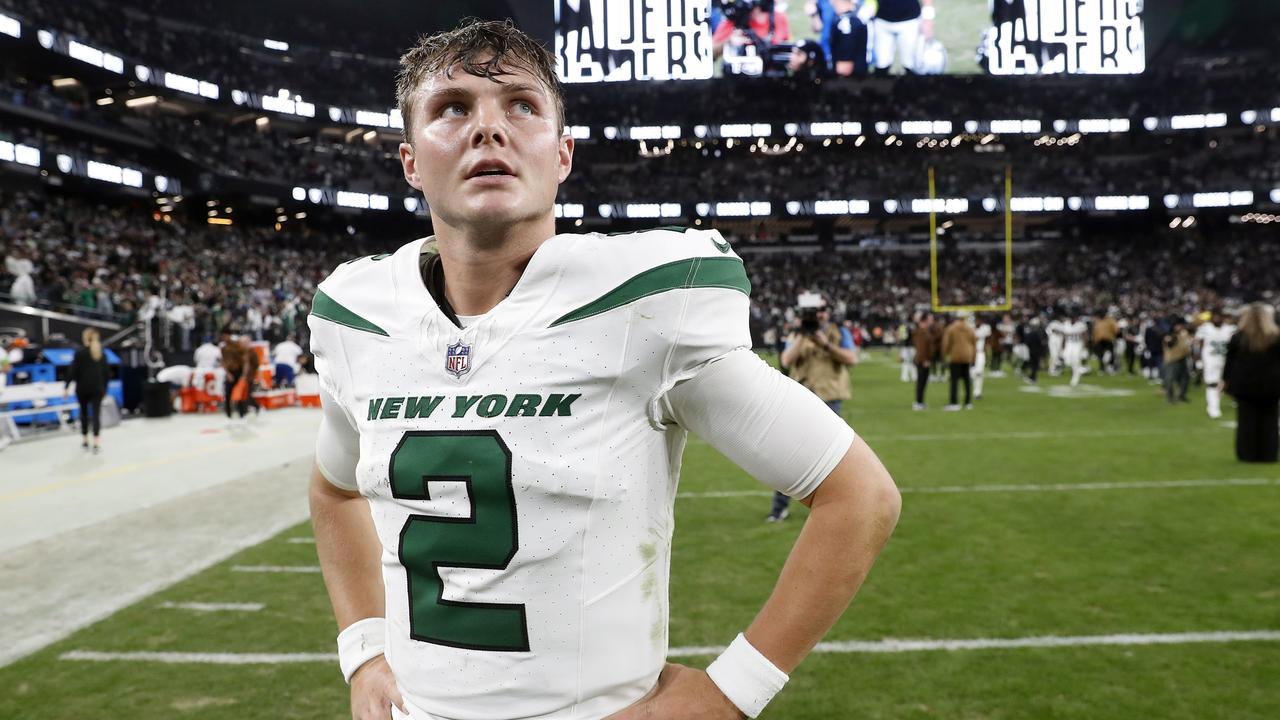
[457, 359]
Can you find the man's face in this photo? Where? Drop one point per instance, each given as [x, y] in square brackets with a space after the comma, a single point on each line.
[467, 125]
[797, 60]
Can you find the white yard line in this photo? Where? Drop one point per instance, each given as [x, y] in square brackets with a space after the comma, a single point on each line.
[200, 658]
[302, 541]
[888, 645]
[212, 607]
[1047, 487]
[276, 568]
[892, 645]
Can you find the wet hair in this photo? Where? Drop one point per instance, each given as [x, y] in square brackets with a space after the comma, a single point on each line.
[487, 49]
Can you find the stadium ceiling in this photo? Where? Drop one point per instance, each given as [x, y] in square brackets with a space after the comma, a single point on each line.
[381, 27]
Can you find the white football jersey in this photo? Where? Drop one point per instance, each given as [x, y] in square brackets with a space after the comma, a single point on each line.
[1073, 332]
[1213, 342]
[1054, 331]
[520, 472]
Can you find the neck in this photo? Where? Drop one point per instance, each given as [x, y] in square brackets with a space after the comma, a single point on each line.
[482, 265]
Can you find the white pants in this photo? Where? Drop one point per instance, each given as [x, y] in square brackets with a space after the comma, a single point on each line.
[1073, 354]
[908, 354]
[978, 372]
[1212, 397]
[900, 37]
[1055, 356]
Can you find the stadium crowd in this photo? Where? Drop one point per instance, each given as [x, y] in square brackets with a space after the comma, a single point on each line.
[118, 261]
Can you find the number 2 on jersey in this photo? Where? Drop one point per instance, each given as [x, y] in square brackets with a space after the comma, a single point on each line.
[486, 539]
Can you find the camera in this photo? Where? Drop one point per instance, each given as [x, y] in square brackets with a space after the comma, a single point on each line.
[809, 320]
[738, 12]
[761, 57]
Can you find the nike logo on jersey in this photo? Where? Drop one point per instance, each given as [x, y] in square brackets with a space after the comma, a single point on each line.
[721, 245]
[485, 406]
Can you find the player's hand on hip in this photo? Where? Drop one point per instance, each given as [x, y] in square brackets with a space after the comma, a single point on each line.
[374, 691]
[682, 693]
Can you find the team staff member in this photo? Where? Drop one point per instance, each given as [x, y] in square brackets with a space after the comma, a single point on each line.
[504, 412]
[90, 373]
[1105, 331]
[820, 361]
[925, 342]
[959, 347]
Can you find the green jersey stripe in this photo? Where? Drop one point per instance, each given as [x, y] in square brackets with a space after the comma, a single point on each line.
[679, 275]
[326, 308]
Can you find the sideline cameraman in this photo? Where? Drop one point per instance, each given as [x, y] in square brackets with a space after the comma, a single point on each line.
[818, 356]
[764, 27]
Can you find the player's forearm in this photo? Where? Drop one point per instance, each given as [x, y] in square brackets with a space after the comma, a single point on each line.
[348, 548]
[853, 514]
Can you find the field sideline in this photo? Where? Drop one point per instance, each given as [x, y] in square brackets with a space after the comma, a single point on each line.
[1088, 553]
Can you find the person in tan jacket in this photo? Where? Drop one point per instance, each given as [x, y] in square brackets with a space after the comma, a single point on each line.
[959, 348]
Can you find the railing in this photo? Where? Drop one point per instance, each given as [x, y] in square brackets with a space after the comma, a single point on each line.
[65, 311]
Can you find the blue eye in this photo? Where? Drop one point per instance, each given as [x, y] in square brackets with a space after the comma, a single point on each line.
[445, 111]
[524, 107]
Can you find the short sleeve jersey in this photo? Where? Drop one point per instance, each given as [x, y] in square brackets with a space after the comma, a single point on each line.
[520, 472]
[1213, 342]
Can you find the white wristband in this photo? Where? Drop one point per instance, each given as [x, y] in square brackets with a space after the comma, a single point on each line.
[359, 643]
[928, 12]
[746, 677]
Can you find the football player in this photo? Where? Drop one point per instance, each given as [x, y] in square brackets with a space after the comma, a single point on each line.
[1074, 352]
[1054, 331]
[504, 413]
[982, 335]
[1211, 341]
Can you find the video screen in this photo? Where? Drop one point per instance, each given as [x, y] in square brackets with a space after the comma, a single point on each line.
[619, 40]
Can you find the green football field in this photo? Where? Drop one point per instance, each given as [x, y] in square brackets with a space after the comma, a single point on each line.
[1092, 554]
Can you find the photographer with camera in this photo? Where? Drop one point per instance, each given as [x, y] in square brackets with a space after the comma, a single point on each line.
[753, 38]
[817, 355]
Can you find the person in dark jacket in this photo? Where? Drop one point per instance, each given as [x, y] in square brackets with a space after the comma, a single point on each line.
[90, 373]
[1252, 377]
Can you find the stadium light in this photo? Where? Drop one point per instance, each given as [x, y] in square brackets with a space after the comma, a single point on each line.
[280, 45]
[22, 154]
[1275, 195]
[104, 101]
[10, 26]
[1171, 201]
[64, 82]
[97, 58]
[45, 38]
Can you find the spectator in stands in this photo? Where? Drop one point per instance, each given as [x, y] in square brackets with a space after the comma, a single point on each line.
[23, 289]
[1252, 377]
[89, 373]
